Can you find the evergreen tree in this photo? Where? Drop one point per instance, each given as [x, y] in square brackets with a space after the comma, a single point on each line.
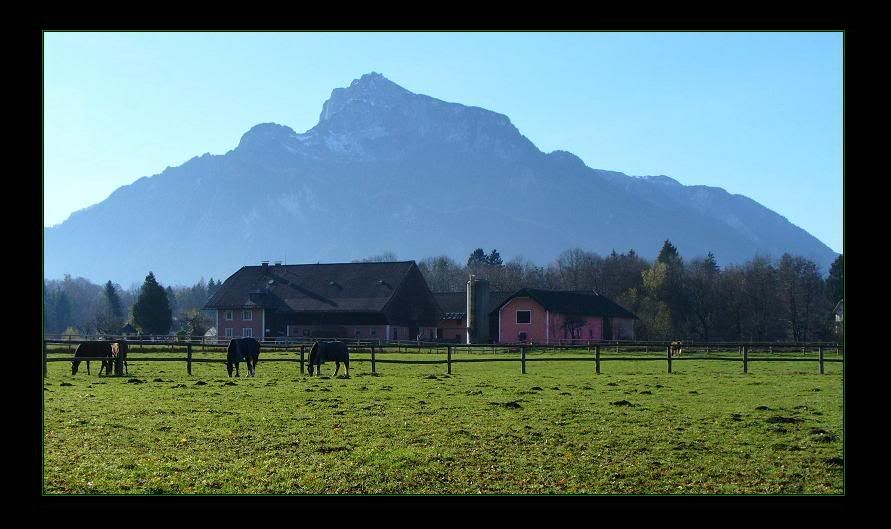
[835, 283]
[494, 259]
[668, 254]
[151, 312]
[114, 311]
[478, 257]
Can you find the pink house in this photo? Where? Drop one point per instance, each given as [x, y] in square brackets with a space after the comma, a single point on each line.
[552, 317]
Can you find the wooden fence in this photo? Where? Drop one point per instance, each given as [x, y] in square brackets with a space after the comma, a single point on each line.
[652, 351]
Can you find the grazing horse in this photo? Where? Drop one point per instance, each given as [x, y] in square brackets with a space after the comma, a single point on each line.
[247, 349]
[677, 348]
[322, 352]
[119, 350]
[92, 350]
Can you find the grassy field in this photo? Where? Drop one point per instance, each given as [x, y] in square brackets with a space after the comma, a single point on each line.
[706, 428]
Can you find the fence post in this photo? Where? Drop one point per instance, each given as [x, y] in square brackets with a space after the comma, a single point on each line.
[449, 359]
[373, 364]
[668, 355]
[745, 351]
[597, 357]
[302, 368]
[523, 358]
[189, 358]
[821, 360]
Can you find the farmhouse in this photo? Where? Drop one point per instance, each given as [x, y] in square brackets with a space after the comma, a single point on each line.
[550, 316]
[378, 301]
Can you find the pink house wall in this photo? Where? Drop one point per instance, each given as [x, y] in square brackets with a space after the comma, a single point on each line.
[547, 327]
[452, 328]
[238, 323]
[591, 330]
[508, 328]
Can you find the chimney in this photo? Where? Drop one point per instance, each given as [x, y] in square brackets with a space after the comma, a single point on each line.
[265, 265]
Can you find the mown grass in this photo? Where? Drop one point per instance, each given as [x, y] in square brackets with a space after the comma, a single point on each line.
[706, 428]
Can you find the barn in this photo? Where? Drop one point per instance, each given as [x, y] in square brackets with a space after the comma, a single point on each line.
[533, 315]
[374, 301]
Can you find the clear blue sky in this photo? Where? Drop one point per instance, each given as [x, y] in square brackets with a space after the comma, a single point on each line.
[758, 114]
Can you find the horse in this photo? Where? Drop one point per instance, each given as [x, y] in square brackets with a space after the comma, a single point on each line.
[92, 350]
[322, 352]
[119, 350]
[677, 348]
[247, 349]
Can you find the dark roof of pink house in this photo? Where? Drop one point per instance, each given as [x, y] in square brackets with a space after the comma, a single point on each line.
[337, 287]
[573, 302]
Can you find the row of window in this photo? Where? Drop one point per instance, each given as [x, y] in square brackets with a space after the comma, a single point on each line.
[246, 332]
[246, 315]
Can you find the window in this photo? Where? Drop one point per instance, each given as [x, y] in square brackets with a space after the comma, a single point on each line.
[247, 315]
[247, 332]
[524, 316]
[229, 332]
[522, 337]
[374, 333]
[229, 315]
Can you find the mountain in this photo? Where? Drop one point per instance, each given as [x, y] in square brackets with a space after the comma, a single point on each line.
[388, 169]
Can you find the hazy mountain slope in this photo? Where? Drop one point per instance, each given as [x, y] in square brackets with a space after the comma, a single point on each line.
[386, 169]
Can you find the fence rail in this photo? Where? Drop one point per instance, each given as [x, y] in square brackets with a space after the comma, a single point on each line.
[661, 351]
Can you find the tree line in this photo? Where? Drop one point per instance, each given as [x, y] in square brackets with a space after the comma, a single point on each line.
[759, 300]
[76, 306]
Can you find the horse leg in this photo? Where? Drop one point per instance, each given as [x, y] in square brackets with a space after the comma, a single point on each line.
[336, 368]
[88, 367]
[347, 364]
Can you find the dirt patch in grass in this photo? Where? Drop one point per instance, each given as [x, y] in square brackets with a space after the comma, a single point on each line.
[66, 384]
[779, 419]
[512, 405]
[762, 408]
[835, 461]
[135, 381]
[621, 403]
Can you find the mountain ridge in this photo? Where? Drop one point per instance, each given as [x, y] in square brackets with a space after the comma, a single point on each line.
[387, 169]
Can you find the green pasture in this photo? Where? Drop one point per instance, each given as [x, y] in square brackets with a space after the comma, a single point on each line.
[707, 428]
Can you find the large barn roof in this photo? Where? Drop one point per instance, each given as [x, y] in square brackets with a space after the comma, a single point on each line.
[336, 287]
[572, 302]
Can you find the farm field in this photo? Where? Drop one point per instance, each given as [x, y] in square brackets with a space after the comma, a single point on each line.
[634, 429]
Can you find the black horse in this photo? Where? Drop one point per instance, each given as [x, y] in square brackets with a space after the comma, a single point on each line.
[247, 349]
[322, 352]
[93, 350]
